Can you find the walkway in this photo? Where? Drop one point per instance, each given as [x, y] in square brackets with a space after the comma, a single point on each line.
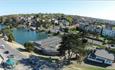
[16, 53]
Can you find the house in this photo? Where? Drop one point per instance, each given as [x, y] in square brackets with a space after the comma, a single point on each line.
[32, 28]
[108, 33]
[101, 56]
[99, 30]
[48, 46]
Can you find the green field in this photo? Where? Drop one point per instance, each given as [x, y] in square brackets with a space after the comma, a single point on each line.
[82, 67]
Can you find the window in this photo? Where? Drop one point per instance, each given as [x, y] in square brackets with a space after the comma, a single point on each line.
[108, 61]
[92, 56]
[100, 59]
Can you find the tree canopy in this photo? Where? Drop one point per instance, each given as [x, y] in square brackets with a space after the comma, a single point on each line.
[8, 32]
[29, 46]
[72, 43]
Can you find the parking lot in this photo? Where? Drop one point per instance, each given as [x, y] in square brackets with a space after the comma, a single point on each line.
[7, 51]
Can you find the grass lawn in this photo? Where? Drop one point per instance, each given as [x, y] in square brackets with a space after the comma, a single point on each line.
[100, 46]
[80, 67]
[93, 68]
[113, 28]
[73, 31]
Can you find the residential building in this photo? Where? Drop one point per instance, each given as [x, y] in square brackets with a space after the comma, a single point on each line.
[48, 46]
[95, 29]
[101, 56]
[108, 33]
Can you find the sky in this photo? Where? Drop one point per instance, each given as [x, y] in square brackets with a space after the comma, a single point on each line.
[91, 8]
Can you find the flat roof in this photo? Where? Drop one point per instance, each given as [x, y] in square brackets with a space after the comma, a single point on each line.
[105, 54]
[49, 43]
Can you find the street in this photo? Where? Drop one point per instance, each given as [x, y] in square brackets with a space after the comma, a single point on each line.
[16, 53]
[17, 56]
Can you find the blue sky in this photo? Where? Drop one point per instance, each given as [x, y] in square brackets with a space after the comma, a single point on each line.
[98, 9]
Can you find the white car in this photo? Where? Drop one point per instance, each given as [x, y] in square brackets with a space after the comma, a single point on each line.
[2, 46]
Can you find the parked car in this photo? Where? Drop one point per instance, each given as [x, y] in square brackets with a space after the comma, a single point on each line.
[112, 46]
[2, 46]
[6, 52]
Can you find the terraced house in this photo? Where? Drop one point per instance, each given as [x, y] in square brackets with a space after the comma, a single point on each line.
[110, 33]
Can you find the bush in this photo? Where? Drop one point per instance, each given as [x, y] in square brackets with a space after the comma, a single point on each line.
[7, 31]
[29, 46]
[55, 34]
[49, 32]
[10, 38]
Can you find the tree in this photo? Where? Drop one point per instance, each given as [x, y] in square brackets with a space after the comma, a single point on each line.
[29, 46]
[70, 19]
[66, 30]
[0, 19]
[72, 44]
[8, 32]
[10, 37]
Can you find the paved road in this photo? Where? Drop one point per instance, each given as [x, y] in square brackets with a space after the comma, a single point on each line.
[16, 53]
[94, 41]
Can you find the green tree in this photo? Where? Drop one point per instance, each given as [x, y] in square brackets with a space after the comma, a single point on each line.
[11, 37]
[70, 19]
[72, 44]
[29, 46]
[8, 32]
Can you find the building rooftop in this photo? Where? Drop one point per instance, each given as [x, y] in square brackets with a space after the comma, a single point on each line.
[51, 43]
[105, 54]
